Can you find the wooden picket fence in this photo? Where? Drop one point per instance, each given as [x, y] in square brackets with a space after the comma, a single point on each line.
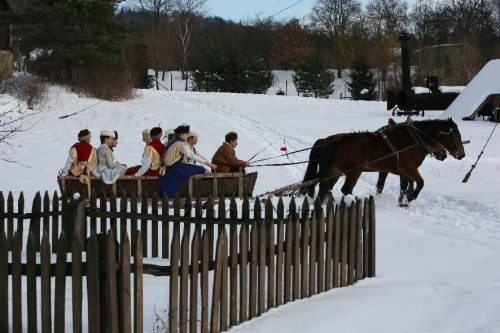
[225, 266]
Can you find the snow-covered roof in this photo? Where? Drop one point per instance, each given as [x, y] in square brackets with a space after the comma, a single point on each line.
[484, 84]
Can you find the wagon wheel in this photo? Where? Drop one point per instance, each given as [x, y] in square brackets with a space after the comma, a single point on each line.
[394, 112]
[423, 113]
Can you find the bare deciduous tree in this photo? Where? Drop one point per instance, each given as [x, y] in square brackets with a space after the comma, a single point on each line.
[337, 18]
[185, 13]
[157, 13]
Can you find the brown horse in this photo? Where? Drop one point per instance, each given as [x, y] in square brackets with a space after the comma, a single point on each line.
[399, 149]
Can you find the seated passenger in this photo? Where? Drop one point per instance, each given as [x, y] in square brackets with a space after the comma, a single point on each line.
[169, 136]
[146, 136]
[175, 172]
[192, 140]
[225, 156]
[82, 158]
[106, 168]
[151, 158]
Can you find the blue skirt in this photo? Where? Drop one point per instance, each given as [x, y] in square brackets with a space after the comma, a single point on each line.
[177, 175]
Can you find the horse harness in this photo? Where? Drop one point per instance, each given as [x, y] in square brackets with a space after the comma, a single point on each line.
[412, 131]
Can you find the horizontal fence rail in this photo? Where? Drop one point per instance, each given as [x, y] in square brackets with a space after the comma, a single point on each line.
[225, 261]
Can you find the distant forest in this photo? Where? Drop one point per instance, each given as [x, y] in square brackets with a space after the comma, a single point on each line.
[451, 39]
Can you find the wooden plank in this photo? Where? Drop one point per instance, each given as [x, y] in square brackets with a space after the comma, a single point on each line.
[320, 285]
[17, 315]
[93, 220]
[104, 221]
[138, 286]
[144, 224]
[358, 258]
[217, 285]
[233, 294]
[93, 294]
[112, 285]
[165, 228]
[133, 223]
[20, 220]
[205, 258]
[193, 302]
[173, 315]
[296, 258]
[46, 304]
[46, 209]
[55, 221]
[330, 211]
[224, 289]
[125, 290]
[279, 262]
[343, 244]
[288, 261]
[10, 221]
[4, 278]
[60, 296]
[154, 227]
[336, 249]
[243, 274]
[366, 247]
[184, 283]
[371, 228]
[123, 221]
[31, 284]
[252, 310]
[351, 243]
[312, 255]
[306, 226]
[262, 269]
[271, 269]
[76, 282]
[113, 225]
[280, 209]
[2, 211]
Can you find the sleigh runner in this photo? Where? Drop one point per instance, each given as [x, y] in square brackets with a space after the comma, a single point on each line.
[237, 184]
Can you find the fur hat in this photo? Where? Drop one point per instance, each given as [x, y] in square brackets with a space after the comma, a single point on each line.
[84, 135]
[168, 132]
[182, 129]
[193, 134]
[145, 131]
[109, 133]
[156, 132]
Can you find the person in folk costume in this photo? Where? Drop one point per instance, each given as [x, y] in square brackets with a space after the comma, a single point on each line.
[146, 136]
[107, 168]
[192, 140]
[82, 158]
[174, 173]
[169, 136]
[225, 157]
[151, 158]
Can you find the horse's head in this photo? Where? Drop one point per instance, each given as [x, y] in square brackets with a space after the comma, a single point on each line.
[439, 152]
[449, 136]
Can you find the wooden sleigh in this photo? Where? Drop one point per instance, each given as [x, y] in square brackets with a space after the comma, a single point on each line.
[237, 184]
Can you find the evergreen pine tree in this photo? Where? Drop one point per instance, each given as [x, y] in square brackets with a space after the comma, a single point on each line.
[69, 35]
[312, 77]
[361, 85]
[229, 71]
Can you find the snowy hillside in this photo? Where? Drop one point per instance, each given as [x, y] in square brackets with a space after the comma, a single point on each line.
[437, 261]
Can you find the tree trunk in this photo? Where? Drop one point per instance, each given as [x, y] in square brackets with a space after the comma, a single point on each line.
[156, 80]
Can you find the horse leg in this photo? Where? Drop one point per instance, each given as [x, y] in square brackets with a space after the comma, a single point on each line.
[326, 186]
[403, 192]
[351, 178]
[382, 176]
[414, 175]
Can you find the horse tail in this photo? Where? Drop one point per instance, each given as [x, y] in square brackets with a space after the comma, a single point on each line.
[312, 167]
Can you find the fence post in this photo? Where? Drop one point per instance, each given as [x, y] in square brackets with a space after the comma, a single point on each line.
[76, 219]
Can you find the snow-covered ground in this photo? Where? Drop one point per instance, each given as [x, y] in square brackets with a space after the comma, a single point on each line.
[437, 261]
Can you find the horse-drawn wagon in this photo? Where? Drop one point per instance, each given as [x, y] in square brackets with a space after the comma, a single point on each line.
[237, 184]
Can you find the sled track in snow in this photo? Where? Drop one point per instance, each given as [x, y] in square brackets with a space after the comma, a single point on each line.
[261, 132]
[431, 209]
